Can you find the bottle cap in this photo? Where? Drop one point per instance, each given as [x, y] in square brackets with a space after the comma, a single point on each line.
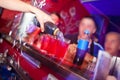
[55, 32]
[87, 32]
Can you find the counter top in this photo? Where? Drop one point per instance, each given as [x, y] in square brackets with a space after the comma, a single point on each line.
[57, 66]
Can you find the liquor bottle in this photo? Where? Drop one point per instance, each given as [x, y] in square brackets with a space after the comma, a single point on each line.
[82, 48]
[52, 29]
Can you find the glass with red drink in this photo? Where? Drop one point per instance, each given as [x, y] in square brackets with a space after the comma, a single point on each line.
[52, 50]
[61, 49]
[45, 40]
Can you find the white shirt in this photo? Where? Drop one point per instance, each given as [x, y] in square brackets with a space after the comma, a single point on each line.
[115, 67]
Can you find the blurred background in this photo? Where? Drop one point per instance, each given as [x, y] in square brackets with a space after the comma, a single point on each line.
[106, 13]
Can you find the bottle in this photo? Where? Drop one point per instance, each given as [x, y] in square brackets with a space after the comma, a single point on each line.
[81, 49]
[29, 23]
[52, 29]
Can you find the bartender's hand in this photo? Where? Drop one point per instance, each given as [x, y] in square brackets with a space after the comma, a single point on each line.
[42, 18]
[18, 5]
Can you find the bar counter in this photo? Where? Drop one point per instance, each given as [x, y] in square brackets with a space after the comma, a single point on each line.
[65, 71]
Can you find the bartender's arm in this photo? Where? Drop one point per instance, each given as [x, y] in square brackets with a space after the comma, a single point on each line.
[18, 5]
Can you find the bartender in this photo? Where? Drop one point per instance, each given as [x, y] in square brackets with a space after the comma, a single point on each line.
[19, 5]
